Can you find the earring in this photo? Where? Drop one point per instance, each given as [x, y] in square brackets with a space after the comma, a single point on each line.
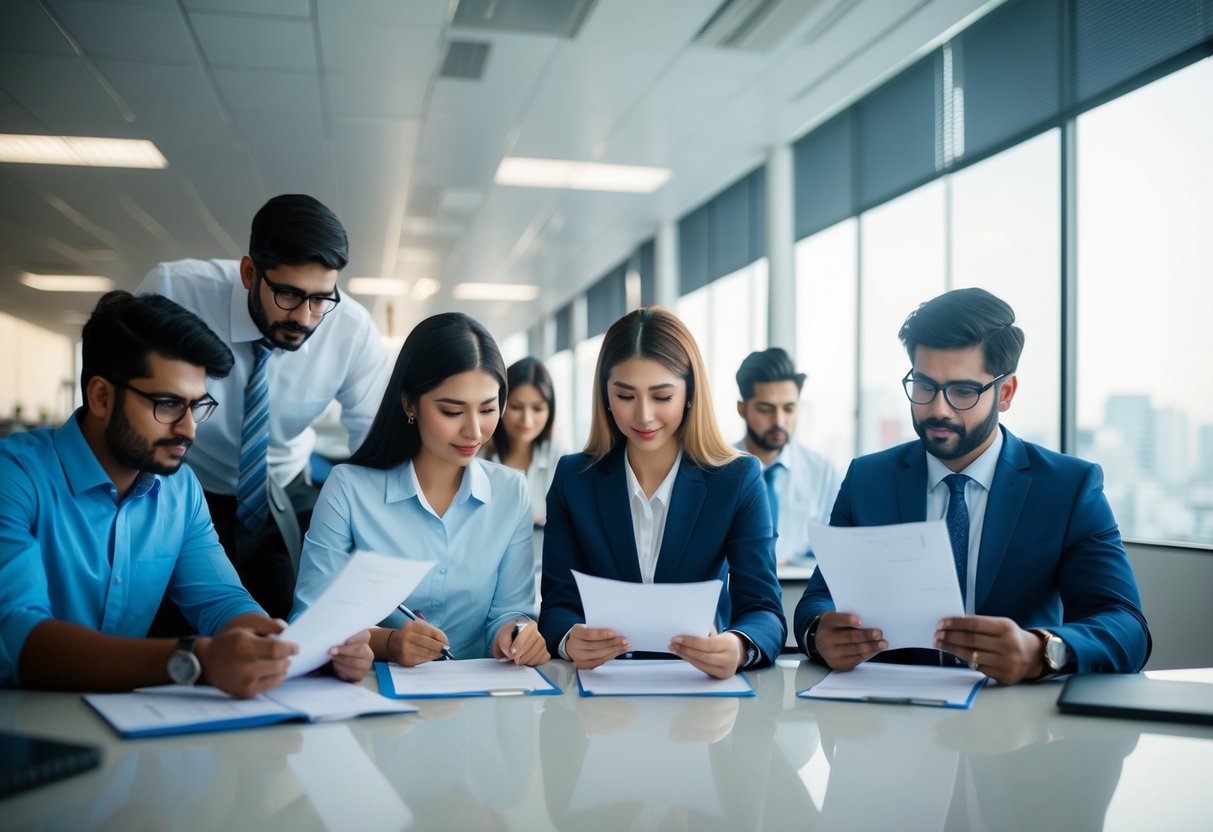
[411, 418]
[688, 405]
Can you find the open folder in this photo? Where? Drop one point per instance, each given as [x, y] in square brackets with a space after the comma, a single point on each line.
[174, 709]
[900, 684]
[464, 677]
[659, 677]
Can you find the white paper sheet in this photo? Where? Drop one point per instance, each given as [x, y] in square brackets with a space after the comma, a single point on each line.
[900, 684]
[900, 579]
[658, 678]
[364, 593]
[465, 676]
[326, 698]
[649, 615]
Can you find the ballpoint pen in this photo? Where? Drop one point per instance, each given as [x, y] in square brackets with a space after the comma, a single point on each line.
[412, 616]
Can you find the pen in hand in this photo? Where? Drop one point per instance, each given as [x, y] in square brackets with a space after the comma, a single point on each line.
[412, 616]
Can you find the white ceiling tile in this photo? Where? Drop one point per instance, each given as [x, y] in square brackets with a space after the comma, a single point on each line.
[152, 85]
[141, 33]
[431, 13]
[270, 90]
[297, 8]
[255, 42]
[24, 27]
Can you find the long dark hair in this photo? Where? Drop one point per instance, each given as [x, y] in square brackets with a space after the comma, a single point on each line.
[439, 347]
[527, 371]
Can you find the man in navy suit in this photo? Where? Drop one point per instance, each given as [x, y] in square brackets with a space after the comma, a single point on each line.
[1046, 582]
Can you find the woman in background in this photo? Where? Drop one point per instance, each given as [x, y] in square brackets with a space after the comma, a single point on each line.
[523, 438]
[659, 496]
[416, 489]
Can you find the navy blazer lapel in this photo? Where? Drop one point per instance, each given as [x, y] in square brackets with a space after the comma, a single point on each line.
[615, 509]
[912, 486]
[686, 500]
[1008, 493]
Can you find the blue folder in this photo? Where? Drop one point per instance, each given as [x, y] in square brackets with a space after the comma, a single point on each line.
[387, 687]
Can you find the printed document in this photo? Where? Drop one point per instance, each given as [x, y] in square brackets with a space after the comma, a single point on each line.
[658, 678]
[649, 615]
[902, 684]
[900, 579]
[365, 592]
[465, 677]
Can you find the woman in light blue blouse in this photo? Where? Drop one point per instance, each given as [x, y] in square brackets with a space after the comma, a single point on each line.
[416, 489]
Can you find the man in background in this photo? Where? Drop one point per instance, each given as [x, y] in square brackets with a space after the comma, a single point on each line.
[299, 345]
[801, 484]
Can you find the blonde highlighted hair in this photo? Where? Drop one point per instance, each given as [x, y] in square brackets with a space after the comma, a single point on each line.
[654, 333]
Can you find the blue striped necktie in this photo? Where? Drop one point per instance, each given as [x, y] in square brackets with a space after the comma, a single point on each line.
[251, 496]
[958, 528]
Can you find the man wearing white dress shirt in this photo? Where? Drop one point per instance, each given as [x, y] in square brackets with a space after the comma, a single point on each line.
[801, 484]
[299, 345]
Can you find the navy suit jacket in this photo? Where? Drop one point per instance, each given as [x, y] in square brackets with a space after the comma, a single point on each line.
[1050, 553]
[718, 526]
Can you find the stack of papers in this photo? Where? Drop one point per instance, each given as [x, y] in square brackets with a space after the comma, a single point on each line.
[466, 677]
[658, 678]
[174, 709]
[942, 687]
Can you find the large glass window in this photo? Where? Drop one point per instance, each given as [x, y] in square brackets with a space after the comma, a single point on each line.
[585, 360]
[1006, 238]
[903, 264]
[728, 318]
[1145, 292]
[560, 366]
[826, 297]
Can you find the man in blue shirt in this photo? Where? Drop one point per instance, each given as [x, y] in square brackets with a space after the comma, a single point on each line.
[94, 529]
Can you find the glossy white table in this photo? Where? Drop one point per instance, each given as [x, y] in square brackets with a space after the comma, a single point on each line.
[770, 762]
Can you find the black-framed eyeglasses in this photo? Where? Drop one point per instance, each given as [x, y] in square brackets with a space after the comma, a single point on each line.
[169, 410]
[288, 298]
[960, 395]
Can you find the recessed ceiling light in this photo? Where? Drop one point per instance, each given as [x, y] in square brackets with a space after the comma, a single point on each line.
[424, 288]
[66, 282]
[496, 291]
[377, 286]
[80, 150]
[585, 176]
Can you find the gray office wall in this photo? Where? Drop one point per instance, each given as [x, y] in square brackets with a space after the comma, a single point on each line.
[1177, 594]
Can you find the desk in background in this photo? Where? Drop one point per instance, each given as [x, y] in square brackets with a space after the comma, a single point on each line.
[771, 762]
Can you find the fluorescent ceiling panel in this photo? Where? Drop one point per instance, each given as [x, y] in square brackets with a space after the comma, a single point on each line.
[583, 176]
[80, 150]
[496, 291]
[66, 282]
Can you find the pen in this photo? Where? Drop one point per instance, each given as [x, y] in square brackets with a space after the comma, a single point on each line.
[519, 626]
[901, 700]
[412, 616]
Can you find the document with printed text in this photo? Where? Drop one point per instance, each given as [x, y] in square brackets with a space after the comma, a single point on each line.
[900, 684]
[658, 678]
[465, 677]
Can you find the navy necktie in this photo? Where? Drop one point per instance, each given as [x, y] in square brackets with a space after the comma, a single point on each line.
[958, 528]
[772, 498]
[252, 499]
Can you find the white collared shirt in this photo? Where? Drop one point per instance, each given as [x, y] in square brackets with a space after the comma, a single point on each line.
[649, 515]
[806, 488]
[343, 360]
[977, 491]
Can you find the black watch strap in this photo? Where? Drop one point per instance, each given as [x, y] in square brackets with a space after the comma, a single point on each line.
[810, 639]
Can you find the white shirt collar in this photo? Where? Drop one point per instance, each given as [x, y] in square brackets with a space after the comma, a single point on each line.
[662, 494]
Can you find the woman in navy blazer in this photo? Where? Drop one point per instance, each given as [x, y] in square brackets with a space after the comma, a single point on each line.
[656, 456]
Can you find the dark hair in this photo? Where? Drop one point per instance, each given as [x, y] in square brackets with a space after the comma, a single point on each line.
[296, 229]
[439, 347]
[764, 366]
[966, 318]
[522, 372]
[124, 328]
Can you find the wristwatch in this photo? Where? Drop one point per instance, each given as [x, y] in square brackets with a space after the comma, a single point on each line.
[1055, 656]
[751, 652]
[183, 665]
[810, 639]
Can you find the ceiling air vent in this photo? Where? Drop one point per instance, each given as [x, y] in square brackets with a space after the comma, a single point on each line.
[755, 25]
[557, 18]
[464, 59]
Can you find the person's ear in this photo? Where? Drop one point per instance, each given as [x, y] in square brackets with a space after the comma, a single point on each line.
[248, 272]
[1006, 392]
[100, 396]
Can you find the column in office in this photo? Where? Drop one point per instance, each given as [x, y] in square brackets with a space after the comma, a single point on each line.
[666, 265]
[780, 244]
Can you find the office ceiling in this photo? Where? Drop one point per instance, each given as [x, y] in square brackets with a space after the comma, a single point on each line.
[358, 103]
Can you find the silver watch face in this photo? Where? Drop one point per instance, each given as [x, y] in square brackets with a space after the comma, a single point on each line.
[1056, 653]
[183, 667]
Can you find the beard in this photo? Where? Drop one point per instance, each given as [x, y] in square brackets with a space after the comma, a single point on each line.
[274, 331]
[966, 441]
[132, 451]
[772, 440]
